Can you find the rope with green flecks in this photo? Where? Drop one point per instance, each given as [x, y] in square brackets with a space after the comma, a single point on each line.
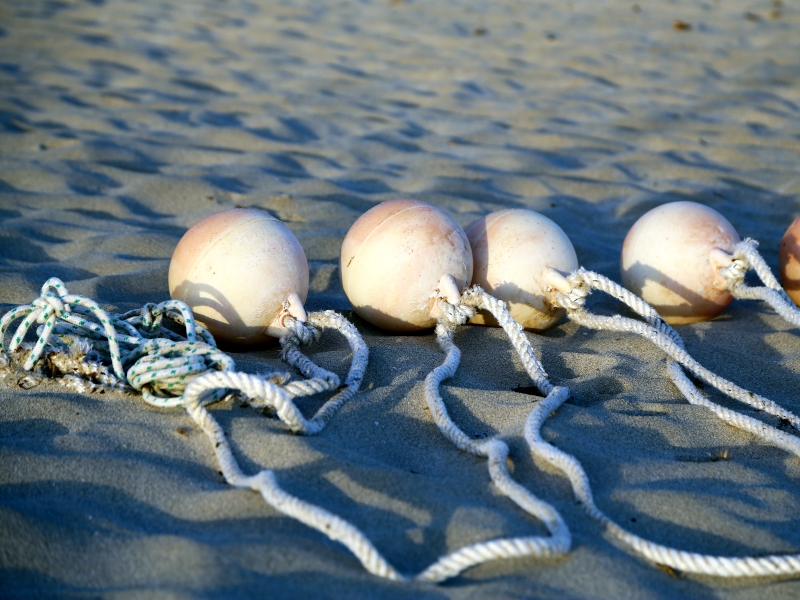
[144, 354]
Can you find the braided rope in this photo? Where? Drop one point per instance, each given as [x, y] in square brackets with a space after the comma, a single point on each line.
[657, 331]
[477, 298]
[745, 257]
[494, 450]
[690, 562]
[662, 335]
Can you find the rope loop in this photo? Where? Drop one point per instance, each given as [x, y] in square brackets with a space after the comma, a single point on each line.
[496, 451]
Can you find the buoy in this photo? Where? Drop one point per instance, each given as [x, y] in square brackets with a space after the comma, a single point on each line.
[671, 258]
[789, 261]
[511, 250]
[242, 272]
[398, 258]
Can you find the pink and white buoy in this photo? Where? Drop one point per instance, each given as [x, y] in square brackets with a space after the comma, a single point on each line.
[512, 250]
[242, 272]
[398, 258]
[671, 258]
[789, 261]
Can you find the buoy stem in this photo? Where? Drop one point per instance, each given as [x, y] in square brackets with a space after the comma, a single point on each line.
[555, 279]
[295, 308]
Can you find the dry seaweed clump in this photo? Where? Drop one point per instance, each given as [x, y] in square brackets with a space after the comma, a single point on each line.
[77, 367]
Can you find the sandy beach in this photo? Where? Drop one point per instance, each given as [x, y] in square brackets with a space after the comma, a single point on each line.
[124, 123]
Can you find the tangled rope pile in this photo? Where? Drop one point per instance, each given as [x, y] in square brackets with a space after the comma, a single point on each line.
[144, 354]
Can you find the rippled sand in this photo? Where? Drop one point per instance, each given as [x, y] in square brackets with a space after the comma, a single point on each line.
[124, 123]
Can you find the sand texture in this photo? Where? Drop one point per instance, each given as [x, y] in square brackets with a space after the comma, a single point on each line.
[123, 123]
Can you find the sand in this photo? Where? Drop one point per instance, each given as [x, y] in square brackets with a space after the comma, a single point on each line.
[124, 123]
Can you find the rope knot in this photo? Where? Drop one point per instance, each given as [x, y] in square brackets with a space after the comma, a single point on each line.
[575, 299]
[49, 303]
[150, 320]
[302, 331]
[567, 291]
[733, 266]
[454, 314]
[734, 272]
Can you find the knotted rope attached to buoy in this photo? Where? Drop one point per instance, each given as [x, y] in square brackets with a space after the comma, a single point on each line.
[570, 292]
[745, 257]
[495, 450]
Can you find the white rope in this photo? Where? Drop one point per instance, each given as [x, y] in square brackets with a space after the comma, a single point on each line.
[690, 562]
[264, 482]
[745, 257]
[662, 335]
[477, 298]
[319, 378]
[789, 443]
[494, 450]
[658, 332]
